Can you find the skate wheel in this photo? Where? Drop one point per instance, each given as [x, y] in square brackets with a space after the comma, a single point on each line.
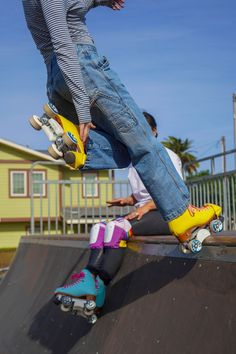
[64, 308]
[195, 246]
[69, 158]
[34, 122]
[66, 303]
[50, 110]
[216, 226]
[66, 300]
[90, 305]
[69, 139]
[183, 248]
[54, 152]
[88, 313]
[92, 319]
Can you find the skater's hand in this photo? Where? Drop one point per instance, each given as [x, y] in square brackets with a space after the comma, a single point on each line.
[121, 201]
[84, 131]
[117, 4]
[139, 212]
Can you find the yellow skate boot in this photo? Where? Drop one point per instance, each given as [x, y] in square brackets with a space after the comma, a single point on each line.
[64, 135]
[194, 218]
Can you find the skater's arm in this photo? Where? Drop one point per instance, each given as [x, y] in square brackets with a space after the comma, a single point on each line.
[65, 51]
[130, 200]
[84, 130]
[139, 212]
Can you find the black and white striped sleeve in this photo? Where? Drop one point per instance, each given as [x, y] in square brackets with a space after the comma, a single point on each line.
[55, 17]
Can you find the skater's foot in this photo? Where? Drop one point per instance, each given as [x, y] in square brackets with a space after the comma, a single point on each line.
[192, 218]
[83, 286]
[101, 292]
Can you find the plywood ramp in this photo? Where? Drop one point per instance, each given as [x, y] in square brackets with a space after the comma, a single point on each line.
[160, 301]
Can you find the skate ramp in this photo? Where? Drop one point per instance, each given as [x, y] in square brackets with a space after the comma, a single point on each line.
[160, 302]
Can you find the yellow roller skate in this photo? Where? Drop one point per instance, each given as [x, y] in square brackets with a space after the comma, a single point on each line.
[63, 134]
[195, 225]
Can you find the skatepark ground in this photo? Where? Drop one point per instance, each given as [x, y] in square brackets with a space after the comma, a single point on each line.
[160, 302]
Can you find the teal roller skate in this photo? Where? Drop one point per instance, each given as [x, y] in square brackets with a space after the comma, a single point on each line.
[101, 293]
[79, 297]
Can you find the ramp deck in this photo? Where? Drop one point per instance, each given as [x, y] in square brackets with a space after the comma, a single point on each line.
[160, 302]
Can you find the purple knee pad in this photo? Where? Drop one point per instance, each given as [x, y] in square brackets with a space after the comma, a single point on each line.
[116, 231]
[97, 235]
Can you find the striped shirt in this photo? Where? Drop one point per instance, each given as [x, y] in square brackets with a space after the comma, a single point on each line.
[56, 26]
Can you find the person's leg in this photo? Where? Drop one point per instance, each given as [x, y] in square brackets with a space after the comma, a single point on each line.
[87, 283]
[102, 149]
[117, 233]
[127, 123]
[151, 224]
[123, 119]
[107, 245]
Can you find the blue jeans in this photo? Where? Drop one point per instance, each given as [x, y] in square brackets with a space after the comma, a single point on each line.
[122, 133]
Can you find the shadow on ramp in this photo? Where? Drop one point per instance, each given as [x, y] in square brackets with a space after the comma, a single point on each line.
[61, 332]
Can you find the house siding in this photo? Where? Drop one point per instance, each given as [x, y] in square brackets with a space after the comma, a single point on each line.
[15, 212]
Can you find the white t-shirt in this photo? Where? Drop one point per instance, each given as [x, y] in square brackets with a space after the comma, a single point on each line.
[138, 189]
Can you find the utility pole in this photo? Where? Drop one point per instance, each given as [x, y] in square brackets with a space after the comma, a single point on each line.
[234, 110]
[223, 149]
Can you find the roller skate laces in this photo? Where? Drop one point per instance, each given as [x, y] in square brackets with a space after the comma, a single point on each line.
[77, 277]
[82, 285]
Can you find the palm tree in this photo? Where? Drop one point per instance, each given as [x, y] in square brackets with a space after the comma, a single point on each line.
[182, 148]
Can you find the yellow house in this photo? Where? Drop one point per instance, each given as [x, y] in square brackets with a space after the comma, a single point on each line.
[33, 187]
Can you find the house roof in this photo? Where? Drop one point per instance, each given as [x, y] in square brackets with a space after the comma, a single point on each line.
[38, 153]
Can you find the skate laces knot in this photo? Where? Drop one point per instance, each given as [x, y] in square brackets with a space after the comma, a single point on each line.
[77, 277]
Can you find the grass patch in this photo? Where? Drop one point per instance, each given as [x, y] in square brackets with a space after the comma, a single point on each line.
[6, 256]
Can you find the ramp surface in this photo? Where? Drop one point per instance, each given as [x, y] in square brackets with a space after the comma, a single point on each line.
[157, 304]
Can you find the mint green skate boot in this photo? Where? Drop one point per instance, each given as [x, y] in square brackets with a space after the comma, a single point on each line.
[79, 297]
[101, 293]
[83, 287]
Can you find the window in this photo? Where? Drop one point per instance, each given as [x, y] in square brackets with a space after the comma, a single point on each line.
[38, 188]
[90, 187]
[18, 183]
[20, 186]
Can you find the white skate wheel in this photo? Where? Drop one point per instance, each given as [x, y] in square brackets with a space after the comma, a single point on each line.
[183, 248]
[90, 305]
[69, 139]
[64, 308]
[66, 300]
[35, 122]
[92, 319]
[50, 110]
[216, 226]
[195, 246]
[54, 152]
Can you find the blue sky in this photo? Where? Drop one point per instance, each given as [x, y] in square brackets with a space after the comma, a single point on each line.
[177, 58]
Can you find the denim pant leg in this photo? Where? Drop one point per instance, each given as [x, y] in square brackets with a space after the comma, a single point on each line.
[103, 150]
[123, 118]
